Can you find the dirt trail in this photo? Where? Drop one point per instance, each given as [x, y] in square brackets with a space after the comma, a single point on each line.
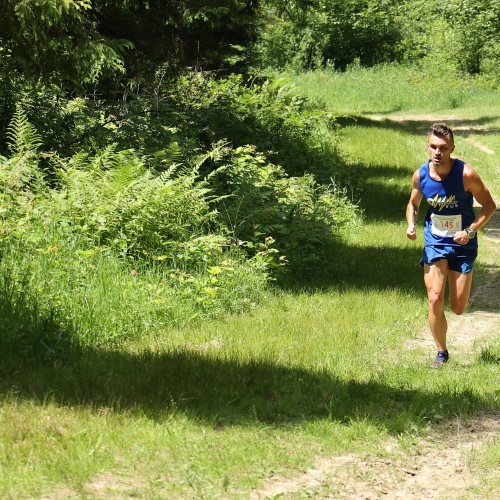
[442, 465]
[437, 468]
[433, 469]
[426, 120]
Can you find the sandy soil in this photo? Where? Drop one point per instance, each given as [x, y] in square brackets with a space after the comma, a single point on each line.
[435, 468]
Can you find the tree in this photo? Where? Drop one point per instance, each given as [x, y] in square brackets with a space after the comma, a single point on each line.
[477, 25]
[76, 43]
[211, 34]
[311, 33]
[57, 41]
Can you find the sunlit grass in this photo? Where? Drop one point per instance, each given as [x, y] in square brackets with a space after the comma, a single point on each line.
[216, 407]
[393, 89]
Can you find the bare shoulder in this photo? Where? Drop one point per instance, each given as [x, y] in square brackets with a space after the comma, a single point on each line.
[415, 178]
[472, 179]
[416, 193]
[469, 172]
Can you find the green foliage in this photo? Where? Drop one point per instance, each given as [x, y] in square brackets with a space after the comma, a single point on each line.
[126, 59]
[78, 44]
[187, 118]
[459, 35]
[476, 24]
[295, 214]
[113, 51]
[58, 41]
[184, 236]
[120, 203]
[332, 33]
[175, 35]
[110, 248]
[20, 176]
[269, 115]
[456, 36]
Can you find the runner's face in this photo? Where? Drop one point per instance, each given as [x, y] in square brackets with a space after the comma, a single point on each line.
[440, 149]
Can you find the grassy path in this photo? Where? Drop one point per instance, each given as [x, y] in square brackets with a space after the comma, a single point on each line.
[441, 464]
[323, 393]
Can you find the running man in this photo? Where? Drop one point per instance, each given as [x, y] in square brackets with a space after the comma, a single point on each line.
[450, 243]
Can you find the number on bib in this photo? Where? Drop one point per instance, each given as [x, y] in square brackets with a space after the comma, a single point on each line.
[446, 226]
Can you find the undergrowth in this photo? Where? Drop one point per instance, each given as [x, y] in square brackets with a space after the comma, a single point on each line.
[108, 243]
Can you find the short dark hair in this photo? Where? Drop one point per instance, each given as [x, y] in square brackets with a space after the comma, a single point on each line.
[442, 130]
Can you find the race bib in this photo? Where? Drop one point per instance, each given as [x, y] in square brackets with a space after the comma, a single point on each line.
[446, 225]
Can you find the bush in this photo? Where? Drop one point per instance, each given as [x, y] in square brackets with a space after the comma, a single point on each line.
[112, 249]
[187, 117]
[301, 217]
[268, 115]
[108, 242]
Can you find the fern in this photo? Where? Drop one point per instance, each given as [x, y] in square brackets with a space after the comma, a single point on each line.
[20, 174]
[165, 158]
[22, 137]
[106, 159]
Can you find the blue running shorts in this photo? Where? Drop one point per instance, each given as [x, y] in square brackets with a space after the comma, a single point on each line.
[459, 259]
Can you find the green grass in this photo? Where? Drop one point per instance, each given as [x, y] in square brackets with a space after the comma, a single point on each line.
[392, 89]
[215, 408]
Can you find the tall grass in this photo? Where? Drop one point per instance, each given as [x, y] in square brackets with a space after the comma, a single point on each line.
[62, 294]
[392, 89]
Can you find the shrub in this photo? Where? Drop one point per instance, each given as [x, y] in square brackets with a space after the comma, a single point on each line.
[302, 217]
[111, 248]
[104, 244]
[268, 115]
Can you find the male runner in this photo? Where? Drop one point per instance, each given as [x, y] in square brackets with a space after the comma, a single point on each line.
[450, 242]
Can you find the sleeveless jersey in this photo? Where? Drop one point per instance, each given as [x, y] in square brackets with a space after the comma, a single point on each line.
[450, 207]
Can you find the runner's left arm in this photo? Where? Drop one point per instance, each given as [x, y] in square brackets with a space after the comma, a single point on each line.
[474, 184]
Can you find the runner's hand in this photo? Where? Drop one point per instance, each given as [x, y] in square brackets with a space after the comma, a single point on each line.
[461, 238]
[411, 233]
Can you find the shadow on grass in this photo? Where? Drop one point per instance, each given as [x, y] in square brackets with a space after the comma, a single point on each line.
[388, 268]
[383, 196]
[490, 356]
[462, 127]
[363, 267]
[223, 391]
[212, 387]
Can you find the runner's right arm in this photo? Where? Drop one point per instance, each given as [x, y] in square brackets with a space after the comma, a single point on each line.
[413, 206]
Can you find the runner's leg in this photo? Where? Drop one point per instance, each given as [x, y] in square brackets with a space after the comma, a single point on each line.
[460, 286]
[435, 277]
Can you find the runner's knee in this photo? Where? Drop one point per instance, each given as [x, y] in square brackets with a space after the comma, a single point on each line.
[436, 302]
[458, 307]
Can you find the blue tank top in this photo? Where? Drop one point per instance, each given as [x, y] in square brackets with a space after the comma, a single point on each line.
[450, 206]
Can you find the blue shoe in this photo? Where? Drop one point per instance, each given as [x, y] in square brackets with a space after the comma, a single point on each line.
[441, 359]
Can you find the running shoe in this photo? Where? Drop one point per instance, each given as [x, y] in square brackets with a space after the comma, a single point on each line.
[441, 359]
